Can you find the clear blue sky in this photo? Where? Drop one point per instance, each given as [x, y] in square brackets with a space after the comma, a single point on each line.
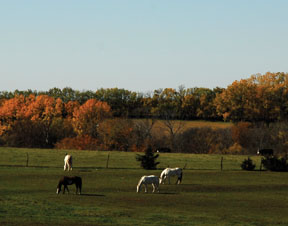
[139, 45]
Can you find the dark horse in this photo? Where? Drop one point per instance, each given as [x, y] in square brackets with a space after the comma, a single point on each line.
[68, 181]
[265, 152]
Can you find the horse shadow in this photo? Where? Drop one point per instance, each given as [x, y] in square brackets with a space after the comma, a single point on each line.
[168, 193]
[92, 195]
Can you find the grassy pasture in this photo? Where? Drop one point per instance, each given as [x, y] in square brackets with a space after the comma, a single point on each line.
[207, 195]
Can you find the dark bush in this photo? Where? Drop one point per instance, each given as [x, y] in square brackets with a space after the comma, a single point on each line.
[248, 164]
[275, 164]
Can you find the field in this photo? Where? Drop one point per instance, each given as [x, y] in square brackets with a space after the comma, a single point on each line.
[159, 126]
[207, 196]
[197, 123]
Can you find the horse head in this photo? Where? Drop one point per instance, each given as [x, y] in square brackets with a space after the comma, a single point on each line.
[59, 188]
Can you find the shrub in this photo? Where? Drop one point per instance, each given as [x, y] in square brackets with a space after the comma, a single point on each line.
[275, 164]
[79, 143]
[248, 164]
[148, 160]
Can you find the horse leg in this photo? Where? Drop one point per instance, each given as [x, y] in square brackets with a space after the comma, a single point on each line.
[157, 187]
[163, 180]
[67, 189]
[153, 186]
[169, 179]
[179, 180]
[145, 188]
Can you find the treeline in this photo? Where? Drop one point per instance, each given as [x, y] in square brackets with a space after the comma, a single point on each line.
[106, 119]
[184, 104]
[259, 98]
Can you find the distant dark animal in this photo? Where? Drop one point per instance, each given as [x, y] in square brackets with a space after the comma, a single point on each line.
[164, 150]
[65, 181]
[265, 152]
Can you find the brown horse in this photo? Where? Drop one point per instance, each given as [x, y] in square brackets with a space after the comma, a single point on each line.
[68, 181]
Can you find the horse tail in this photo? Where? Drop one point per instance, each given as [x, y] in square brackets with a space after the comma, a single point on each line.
[180, 176]
[70, 162]
[80, 184]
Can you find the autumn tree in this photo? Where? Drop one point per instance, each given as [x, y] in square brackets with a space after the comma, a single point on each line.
[88, 116]
[116, 134]
[31, 117]
[123, 102]
[259, 98]
[11, 111]
[142, 133]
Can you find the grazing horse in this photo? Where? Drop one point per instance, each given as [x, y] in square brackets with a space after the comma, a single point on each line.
[154, 180]
[168, 172]
[265, 152]
[68, 162]
[68, 181]
[163, 150]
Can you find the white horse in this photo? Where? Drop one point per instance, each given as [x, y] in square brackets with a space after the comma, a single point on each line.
[168, 172]
[68, 162]
[152, 179]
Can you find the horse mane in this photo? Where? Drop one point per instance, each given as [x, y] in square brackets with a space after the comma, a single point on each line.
[61, 181]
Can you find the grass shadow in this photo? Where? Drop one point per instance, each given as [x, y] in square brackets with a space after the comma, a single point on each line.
[168, 193]
[92, 195]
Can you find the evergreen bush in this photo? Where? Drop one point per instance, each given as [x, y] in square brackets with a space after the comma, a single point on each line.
[148, 161]
[248, 164]
[275, 164]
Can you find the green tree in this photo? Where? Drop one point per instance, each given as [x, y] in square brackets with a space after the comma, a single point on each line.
[148, 161]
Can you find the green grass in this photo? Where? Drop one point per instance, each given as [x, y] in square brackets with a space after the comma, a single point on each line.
[207, 195]
[124, 160]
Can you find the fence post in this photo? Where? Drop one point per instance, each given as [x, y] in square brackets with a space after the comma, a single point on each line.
[185, 165]
[221, 163]
[107, 162]
[27, 159]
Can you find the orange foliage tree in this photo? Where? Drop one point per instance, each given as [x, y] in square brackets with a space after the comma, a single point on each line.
[30, 116]
[11, 110]
[259, 98]
[44, 110]
[87, 117]
[116, 134]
